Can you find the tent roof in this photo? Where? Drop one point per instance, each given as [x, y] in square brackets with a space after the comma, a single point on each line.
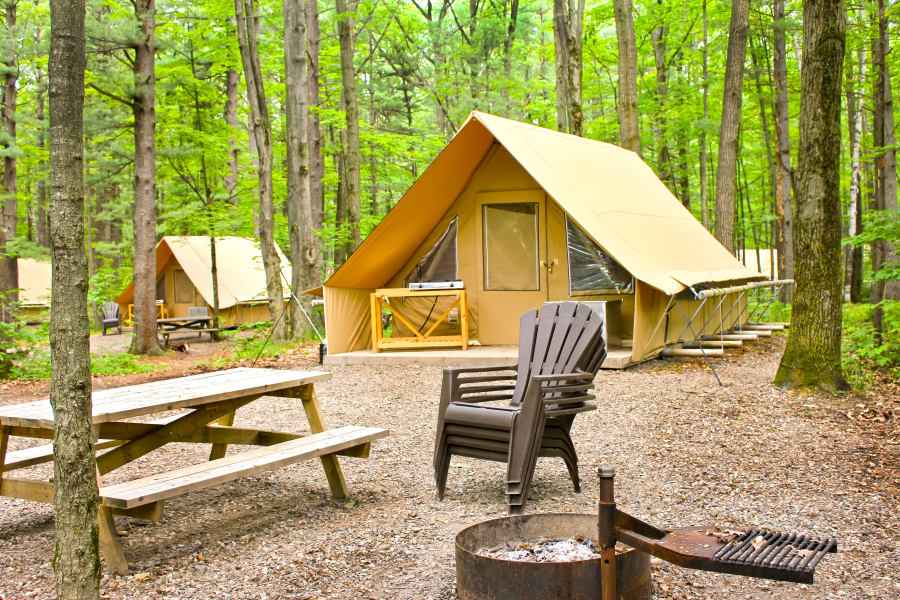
[241, 276]
[34, 282]
[613, 194]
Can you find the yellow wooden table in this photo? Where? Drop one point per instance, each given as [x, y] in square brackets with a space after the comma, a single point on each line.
[212, 399]
[420, 340]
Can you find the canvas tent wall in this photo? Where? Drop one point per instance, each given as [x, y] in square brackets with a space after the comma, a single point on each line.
[184, 278]
[34, 287]
[517, 194]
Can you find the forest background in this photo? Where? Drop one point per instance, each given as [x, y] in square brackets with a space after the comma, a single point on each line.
[388, 82]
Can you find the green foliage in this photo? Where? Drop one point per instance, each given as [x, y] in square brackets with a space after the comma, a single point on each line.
[35, 366]
[881, 226]
[861, 356]
[250, 342]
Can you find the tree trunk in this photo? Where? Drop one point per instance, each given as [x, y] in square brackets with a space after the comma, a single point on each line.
[304, 253]
[232, 78]
[562, 88]
[143, 107]
[248, 33]
[43, 232]
[507, 49]
[346, 24]
[783, 202]
[729, 130]
[568, 17]
[90, 250]
[892, 286]
[662, 89]
[629, 126]
[855, 108]
[11, 205]
[316, 162]
[878, 138]
[76, 562]
[813, 353]
[704, 185]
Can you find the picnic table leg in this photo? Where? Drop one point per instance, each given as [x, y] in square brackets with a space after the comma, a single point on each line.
[4, 441]
[218, 450]
[110, 544]
[317, 425]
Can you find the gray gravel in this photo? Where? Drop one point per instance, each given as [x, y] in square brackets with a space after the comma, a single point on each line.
[687, 453]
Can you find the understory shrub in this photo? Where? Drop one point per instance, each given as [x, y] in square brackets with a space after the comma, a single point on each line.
[863, 359]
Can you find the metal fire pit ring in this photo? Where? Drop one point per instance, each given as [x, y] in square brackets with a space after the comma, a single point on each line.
[486, 578]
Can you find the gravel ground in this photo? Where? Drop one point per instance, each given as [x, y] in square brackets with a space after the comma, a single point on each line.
[687, 453]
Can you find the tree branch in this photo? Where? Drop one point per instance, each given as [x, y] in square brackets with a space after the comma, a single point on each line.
[128, 103]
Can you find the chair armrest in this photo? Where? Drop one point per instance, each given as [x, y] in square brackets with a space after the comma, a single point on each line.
[486, 369]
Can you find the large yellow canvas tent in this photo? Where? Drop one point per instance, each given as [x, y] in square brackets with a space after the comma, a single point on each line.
[184, 278]
[34, 287]
[525, 215]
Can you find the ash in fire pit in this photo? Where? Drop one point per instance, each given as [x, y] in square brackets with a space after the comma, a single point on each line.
[547, 550]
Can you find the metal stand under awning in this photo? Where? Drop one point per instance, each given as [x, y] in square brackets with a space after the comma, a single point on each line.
[762, 294]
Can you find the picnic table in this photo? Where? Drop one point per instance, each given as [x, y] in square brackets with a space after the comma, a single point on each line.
[195, 324]
[213, 399]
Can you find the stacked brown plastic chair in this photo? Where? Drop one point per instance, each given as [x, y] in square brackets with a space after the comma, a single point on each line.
[560, 352]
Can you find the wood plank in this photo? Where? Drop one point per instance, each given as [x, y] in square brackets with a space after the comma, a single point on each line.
[27, 489]
[148, 512]
[233, 467]
[231, 459]
[219, 449]
[185, 392]
[37, 455]
[175, 431]
[110, 545]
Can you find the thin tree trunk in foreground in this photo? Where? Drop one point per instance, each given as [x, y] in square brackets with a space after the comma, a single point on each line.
[346, 24]
[813, 353]
[629, 126]
[232, 78]
[878, 247]
[855, 107]
[300, 210]
[729, 130]
[144, 108]
[892, 286]
[316, 162]
[76, 563]
[567, 24]
[11, 205]
[704, 185]
[248, 27]
[783, 204]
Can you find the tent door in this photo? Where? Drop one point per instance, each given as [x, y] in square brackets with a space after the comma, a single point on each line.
[512, 257]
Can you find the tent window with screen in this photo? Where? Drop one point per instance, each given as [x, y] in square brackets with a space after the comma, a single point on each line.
[511, 246]
[439, 263]
[591, 270]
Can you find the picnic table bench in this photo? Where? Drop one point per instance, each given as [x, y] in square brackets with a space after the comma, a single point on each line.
[193, 324]
[213, 398]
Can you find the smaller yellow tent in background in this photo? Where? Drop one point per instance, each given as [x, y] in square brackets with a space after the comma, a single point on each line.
[34, 288]
[184, 279]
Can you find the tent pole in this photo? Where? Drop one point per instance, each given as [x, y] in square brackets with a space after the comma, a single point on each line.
[658, 323]
[699, 308]
[713, 369]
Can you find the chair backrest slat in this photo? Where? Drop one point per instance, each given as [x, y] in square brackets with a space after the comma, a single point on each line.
[564, 338]
[110, 310]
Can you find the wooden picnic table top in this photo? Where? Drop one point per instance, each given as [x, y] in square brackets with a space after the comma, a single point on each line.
[160, 396]
[183, 319]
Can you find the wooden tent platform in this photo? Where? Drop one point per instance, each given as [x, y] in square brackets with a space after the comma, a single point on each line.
[475, 356]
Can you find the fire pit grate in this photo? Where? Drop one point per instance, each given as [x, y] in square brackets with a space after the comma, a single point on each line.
[785, 551]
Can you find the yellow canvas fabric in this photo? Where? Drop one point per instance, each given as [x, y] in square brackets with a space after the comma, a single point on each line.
[34, 282]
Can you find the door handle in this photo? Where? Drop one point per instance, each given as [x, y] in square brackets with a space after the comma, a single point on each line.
[550, 266]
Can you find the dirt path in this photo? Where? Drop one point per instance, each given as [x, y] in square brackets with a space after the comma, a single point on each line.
[687, 452]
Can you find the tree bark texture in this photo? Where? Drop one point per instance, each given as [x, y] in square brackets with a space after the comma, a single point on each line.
[662, 89]
[232, 79]
[346, 24]
[813, 353]
[43, 231]
[316, 162]
[144, 109]
[891, 287]
[76, 563]
[730, 127]
[855, 108]
[304, 251]
[783, 204]
[10, 204]
[878, 138]
[629, 126]
[568, 16]
[704, 184]
[248, 33]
